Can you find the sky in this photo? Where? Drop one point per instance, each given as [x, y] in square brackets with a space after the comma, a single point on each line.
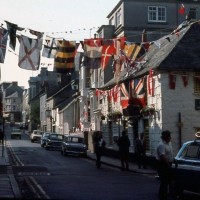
[68, 19]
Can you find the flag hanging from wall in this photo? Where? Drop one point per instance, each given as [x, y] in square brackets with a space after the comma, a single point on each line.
[3, 43]
[50, 48]
[182, 10]
[172, 81]
[64, 58]
[138, 94]
[124, 87]
[29, 53]
[92, 53]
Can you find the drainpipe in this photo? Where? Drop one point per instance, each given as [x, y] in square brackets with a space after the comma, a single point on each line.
[180, 129]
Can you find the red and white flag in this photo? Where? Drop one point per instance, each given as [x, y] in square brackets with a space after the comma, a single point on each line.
[182, 9]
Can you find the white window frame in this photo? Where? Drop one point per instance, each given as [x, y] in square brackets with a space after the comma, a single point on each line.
[111, 21]
[118, 18]
[157, 14]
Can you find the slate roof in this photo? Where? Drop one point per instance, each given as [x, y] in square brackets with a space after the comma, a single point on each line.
[178, 51]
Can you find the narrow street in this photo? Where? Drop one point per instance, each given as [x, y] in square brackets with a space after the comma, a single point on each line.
[49, 175]
[44, 174]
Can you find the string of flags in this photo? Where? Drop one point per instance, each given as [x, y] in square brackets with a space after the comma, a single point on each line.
[97, 51]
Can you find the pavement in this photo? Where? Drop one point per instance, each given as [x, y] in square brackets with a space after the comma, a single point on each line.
[9, 188]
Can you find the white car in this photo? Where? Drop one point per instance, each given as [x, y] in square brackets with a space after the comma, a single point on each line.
[16, 133]
[36, 136]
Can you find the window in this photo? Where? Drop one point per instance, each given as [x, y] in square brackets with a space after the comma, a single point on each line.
[197, 82]
[156, 14]
[192, 13]
[118, 18]
[191, 151]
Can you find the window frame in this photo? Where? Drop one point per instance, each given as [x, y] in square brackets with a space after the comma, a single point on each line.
[118, 19]
[156, 12]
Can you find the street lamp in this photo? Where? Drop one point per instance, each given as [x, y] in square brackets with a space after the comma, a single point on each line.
[49, 116]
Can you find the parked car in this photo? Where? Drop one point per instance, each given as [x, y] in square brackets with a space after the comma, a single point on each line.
[186, 167]
[54, 141]
[43, 139]
[16, 133]
[74, 144]
[36, 136]
[12, 123]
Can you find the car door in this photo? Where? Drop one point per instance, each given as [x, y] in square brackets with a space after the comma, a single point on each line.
[187, 167]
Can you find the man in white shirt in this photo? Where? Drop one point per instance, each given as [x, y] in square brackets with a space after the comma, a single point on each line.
[164, 156]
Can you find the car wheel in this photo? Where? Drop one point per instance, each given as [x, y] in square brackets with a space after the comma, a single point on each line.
[84, 155]
[64, 153]
[32, 141]
[47, 148]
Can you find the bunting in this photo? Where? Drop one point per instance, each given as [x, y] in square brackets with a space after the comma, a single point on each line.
[185, 78]
[12, 29]
[108, 52]
[3, 43]
[92, 53]
[64, 58]
[150, 83]
[172, 81]
[138, 94]
[50, 47]
[182, 10]
[29, 53]
[124, 94]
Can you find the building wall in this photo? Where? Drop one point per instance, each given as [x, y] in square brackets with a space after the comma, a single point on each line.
[169, 103]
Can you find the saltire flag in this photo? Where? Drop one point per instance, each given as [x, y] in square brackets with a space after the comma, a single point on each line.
[138, 93]
[3, 43]
[50, 47]
[124, 87]
[64, 58]
[12, 29]
[29, 53]
[92, 53]
[182, 10]
[108, 52]
[119, 44]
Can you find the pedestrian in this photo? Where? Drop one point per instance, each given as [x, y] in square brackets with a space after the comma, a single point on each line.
[164, 156]
[124, 144]
[140, 150]
[99, 146]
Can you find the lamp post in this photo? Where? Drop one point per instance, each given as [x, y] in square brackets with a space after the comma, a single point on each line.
[49, 116]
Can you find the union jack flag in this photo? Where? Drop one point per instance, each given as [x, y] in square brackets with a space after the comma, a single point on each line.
[124, 87]
[138, 93]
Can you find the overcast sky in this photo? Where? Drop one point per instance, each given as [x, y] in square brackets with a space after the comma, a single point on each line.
[73, 19]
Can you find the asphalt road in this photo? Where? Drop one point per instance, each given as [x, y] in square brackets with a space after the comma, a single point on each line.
[44, 174]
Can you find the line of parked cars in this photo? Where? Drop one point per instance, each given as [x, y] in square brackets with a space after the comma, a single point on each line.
[73, 144]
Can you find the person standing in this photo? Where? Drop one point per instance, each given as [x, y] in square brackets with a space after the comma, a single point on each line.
[99, 145]
[140, 150]
[124, 144]
[164, 156]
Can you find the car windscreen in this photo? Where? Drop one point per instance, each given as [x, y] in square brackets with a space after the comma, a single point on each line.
[56, 137]
[191, 152]
[77, 140]
[16, 130]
